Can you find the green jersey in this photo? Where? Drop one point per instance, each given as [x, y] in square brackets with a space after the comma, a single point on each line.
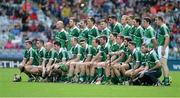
[41, 53]
[51, 55]
[78, 50]
[122, 48]
[136, 57]
[84, 33]
[90, 51]
[61, 37]
[163, 33]
[151, 59]
[138, 36]
[125, 30]
[131, 31]
[106, 32]
[117, 28]
[93, 32]
[74, 31]
[149, 36]
[104, 51]
[62, 55]
[31, 53]
[114, 47]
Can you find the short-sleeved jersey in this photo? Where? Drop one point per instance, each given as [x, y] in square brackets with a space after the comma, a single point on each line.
[106, 32]
[104, 51]
[92, 33]
[84, 33]
[90, 51]
[50, 55]
[62, 55]
[78, 50]
[61, 37]
[149, 36]
[117, 28]
[41, 53]
[138, 36]
[152, 58]
[31, 53]
[162, 34]
[122, 48]
[136, 57]
[74, 31]
[125, 30]
[131, 31]
[114, 47]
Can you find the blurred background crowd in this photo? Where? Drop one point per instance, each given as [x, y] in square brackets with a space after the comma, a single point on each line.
[21, 19]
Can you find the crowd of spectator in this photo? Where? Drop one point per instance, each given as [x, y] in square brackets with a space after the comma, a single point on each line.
[22, 19]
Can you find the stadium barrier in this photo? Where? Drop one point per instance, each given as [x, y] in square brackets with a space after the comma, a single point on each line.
[9, 64]
[174, 65]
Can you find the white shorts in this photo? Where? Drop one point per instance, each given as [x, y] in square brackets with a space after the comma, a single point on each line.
[160, 52]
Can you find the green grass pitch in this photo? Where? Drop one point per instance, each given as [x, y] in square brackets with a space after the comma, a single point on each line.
[39, 89]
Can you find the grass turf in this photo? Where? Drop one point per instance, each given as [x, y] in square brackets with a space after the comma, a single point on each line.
[36, 89]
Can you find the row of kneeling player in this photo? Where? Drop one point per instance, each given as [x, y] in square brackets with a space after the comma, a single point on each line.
[113, 61]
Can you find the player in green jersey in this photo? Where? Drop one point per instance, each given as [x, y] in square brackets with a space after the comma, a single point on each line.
[49, 59]
[61, 34]
[40, 50]
[132, 27]
[93, 30]
[61, 58]
[77, 56]
[126, 27]
[83, 29]
[72, 32]
[149, 33]
[104, 29]
[138, 34]
[30, 59]
[116, 26]
[59, 68]
[135, 59]
[163, 49]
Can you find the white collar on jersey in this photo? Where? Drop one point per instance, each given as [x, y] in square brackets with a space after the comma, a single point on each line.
[77, 45]
[86, 46]
[41, 48]
[134, 51]
[139, 27]
[60, 50]
[149, 27]
[30, 49]
[62, 30]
